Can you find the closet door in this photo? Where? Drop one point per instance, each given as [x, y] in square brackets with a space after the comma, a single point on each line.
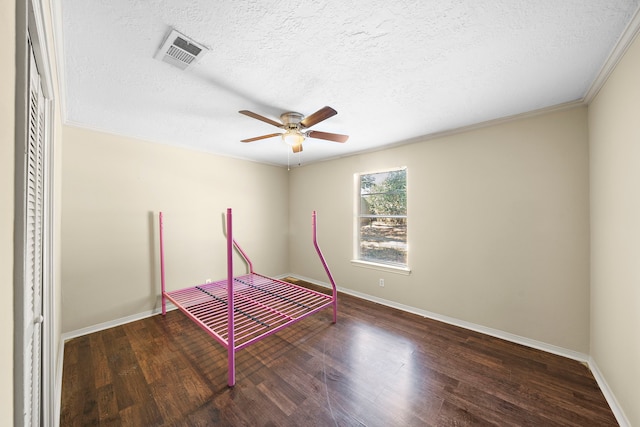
[33, 249]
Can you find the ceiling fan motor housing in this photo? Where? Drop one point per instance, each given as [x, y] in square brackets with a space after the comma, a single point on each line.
[291, 120]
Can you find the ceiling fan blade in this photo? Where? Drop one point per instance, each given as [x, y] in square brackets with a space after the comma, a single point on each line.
[259, 117]
[335, 137]
[322, 114]
[296, 148]
[271, 135]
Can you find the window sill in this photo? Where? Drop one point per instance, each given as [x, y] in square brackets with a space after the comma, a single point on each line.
[382, 267]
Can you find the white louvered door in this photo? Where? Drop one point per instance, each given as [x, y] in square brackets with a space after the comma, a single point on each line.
[33, 315]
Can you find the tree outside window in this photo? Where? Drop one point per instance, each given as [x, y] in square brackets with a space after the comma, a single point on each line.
[383, 217]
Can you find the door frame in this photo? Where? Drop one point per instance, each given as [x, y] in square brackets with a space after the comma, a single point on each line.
[30, 26]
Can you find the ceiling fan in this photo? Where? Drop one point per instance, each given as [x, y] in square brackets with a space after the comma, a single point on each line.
[294, 125]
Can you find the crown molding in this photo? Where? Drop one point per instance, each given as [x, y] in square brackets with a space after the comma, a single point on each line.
[628, 36]
[55, 9]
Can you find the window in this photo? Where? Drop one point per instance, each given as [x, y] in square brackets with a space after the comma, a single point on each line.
[382, 218]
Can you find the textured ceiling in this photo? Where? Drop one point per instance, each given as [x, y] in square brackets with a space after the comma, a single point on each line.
[394, 70]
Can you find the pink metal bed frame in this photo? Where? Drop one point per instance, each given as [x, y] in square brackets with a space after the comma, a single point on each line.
[240, 311]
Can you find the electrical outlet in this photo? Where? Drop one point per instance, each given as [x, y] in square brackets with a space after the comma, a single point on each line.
[382, 283]
[207, 281]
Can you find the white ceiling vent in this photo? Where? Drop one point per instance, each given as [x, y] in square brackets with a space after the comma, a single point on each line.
[180, 50]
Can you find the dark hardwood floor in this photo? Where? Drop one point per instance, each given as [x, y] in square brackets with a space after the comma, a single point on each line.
[376, 367]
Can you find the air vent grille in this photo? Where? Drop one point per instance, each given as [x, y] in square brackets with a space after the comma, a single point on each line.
[180, 51]
[180, 55]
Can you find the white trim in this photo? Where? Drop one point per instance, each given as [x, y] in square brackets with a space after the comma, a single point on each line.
[40, 41]
[132, 318]
[608, 394]
[40, 44]
[463, 129]
[381, 267]
[55, 8]
[357, 220]
[629, 34]
[49, 385]
[539, 345]
[112, 323]
[549, 348]
[32, 42]
[58, 39]
[376, 171]
[58, 385]
[98, 129]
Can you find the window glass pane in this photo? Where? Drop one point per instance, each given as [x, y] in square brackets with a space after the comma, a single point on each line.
[365, 206]
[383, 240]
[384, 193]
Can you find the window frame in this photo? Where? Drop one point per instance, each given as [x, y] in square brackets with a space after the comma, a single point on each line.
[358, 261]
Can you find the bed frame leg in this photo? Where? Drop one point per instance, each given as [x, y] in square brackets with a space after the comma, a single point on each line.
[326, 267]
[164, 299]
[335, 308]
[231, 342]
[231, 357]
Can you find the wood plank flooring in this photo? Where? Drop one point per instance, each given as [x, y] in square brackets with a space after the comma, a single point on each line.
[376, 367]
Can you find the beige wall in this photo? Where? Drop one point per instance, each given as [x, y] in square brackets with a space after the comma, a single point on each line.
[498, 226]
[7, 109]
[614, 133]
[113, 188]
[497, 220]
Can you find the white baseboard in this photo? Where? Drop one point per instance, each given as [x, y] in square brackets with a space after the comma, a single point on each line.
[85, 331]
[549, 348]
[560, 351]
[608, 394]
[117, 322]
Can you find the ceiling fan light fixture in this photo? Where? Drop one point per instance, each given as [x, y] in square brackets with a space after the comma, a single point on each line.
[292, 137]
